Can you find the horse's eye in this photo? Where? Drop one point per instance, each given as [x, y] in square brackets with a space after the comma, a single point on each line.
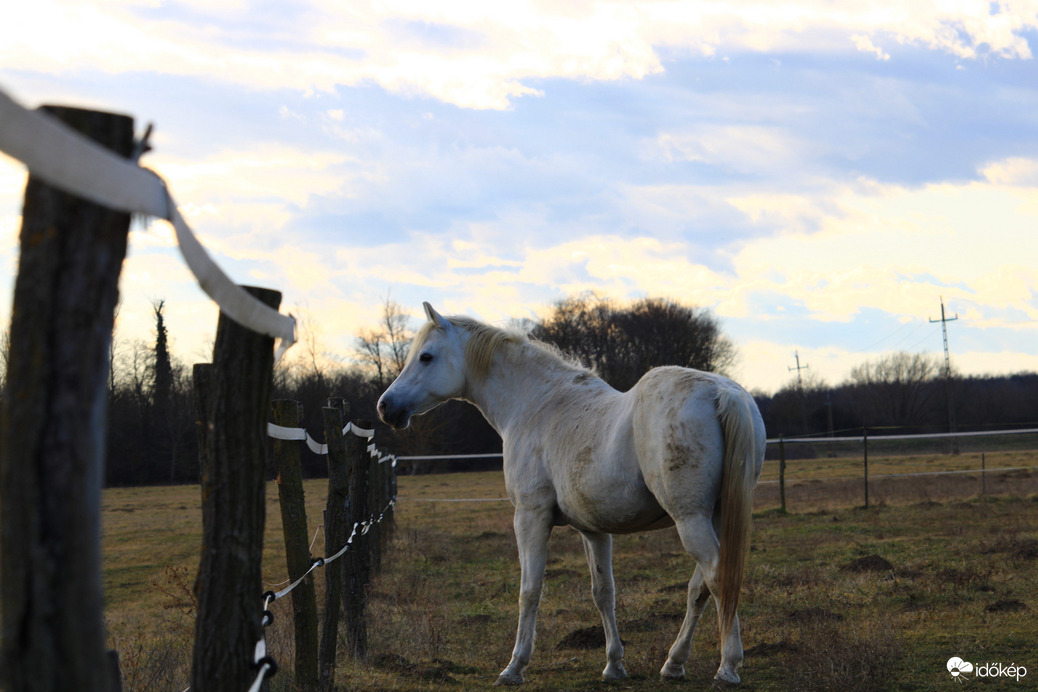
[425, 357]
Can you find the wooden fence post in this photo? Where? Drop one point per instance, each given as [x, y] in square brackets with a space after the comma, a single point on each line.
[337, 523]
[289, 414]
[386, 489]
[358, 573]
[392, 494]
[983, 476]
[54, 423]
[375, 502]
[782, 473]
[865, 461]
[233, 506]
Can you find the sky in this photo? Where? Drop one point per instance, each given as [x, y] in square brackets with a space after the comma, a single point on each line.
[820, 175]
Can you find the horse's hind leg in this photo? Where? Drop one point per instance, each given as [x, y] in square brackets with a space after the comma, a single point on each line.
[700, 540]
[698, 595]
[532, 530]
[599, 550]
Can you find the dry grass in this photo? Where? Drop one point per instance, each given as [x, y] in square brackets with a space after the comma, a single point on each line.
[836, 597]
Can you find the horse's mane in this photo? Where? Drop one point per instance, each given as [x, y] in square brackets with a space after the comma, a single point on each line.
[485, 340]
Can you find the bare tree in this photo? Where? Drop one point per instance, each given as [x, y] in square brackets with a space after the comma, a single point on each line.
[385, 348]
[898, 389]
[398, 336]
[369, 352]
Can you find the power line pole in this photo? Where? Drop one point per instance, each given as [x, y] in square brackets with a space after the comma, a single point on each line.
[798, 368]
[947, 371]
[800, 389]
[944, 330]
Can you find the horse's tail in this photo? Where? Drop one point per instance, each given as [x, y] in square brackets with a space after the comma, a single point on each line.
[736, 411]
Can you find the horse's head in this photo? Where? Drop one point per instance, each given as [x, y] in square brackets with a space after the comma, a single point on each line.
[434, 372]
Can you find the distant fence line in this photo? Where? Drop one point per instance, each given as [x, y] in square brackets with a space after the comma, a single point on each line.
[771, 441]
[914, 436]
[780, 442]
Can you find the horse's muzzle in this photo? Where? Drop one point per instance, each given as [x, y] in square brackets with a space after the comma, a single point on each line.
[394, 416]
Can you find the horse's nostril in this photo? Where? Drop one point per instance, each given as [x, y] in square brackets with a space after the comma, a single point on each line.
[381, 407]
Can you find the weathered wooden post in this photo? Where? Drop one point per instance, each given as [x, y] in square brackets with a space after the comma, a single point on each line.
[358, 573]
[233, 505]
[289, 414]
[387, 494]
[983, 476]
[392, 494]
[782, 473]
[337, 523]
[54, 421]
[865, 461]
[375, 502]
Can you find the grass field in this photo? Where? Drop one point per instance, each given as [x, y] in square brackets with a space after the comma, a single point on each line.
[836, 597]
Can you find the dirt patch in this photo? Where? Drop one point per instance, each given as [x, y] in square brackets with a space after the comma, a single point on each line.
[1027, 549]
[869, 563]
[480, 619]
[585, 638]
[1022, 548]
[966, 577]
[1008, 606]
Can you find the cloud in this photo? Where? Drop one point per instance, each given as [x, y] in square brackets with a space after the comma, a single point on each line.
[865, 45]
[801, 167]
[895, 248]
[478, 56]
[1016, 171]
[746, 149]
[827, 253]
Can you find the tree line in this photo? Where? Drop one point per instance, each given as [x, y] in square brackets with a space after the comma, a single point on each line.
[152, 437]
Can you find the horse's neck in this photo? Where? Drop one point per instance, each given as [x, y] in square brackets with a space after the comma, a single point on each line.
[514, 386]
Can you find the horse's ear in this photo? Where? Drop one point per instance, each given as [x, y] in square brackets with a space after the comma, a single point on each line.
[434, 317]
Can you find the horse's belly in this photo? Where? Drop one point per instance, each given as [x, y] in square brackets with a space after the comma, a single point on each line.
[612, 512]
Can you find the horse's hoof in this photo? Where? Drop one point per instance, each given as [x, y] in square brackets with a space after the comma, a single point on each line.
[672, 671]
[726, 676]
[614, 671]
[509, 680]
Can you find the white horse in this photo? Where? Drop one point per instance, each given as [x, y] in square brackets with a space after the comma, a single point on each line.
[682, 447]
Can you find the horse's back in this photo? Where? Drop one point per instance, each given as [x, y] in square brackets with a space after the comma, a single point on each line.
[679, 437]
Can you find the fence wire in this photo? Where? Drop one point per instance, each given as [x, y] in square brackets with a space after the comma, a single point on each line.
[266, 664]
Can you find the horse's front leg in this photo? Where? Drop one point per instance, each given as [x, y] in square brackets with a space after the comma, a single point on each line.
[599, 550]
[532, 530]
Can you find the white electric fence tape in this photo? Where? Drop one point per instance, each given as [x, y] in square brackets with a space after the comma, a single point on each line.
[70, 161]
[279, 432]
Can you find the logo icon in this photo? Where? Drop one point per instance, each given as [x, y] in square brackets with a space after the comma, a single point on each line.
[959, 669]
